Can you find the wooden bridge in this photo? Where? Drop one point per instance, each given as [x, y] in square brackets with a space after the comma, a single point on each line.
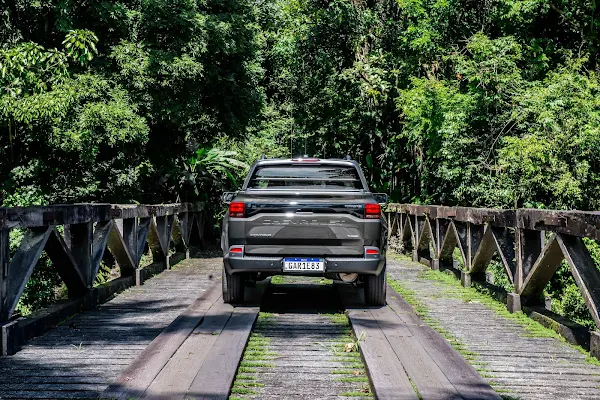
[161, 330]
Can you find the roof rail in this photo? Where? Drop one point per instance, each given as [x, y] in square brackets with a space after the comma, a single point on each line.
[348, 157]
[263, 157]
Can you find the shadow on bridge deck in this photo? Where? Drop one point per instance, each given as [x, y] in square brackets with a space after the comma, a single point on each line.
[80, 357]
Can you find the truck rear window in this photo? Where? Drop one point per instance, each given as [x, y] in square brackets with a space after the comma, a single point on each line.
[305, 177]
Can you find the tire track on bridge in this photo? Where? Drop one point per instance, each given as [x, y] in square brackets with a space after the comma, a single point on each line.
[298, 347]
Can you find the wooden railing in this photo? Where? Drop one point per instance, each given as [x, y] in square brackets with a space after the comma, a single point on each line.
[530, 243]
[75, 238]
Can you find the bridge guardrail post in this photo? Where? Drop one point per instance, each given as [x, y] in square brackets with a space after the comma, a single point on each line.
[415, 238]
[435, 262]
[4, 263]
[595, 344]
[8, 331]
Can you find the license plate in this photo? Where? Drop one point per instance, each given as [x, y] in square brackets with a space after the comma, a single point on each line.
[304, 264]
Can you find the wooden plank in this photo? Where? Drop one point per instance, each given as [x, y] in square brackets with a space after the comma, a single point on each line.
[178, 374]
[136, 379]
[388, 377]
[426, 375]
[215, 377]
[206, 363]
[463, 377]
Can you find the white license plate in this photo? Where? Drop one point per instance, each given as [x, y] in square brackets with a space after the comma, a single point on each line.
[304, 264]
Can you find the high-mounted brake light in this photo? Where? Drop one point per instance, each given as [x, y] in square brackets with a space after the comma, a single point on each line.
[237, 209]
[372, 211]
[306, 159]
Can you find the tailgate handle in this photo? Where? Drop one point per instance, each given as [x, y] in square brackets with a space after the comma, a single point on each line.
[304, 212]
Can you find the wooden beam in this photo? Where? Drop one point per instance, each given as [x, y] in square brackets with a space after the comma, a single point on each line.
[4, 267]
[425, 234]
[376, 350]
[159, 237]
[408, 235]
[143, 229]
[119, 250]
[584, 270]
[505, 243]
[461, 234]
[21, 267]
[99, 243]
[542, 271]
[484, 251]
[576, 223]
[449, 241]
[65, 264]
[81, 237]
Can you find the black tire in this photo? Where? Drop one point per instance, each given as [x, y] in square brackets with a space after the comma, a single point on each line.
[375, 288]
[233, 288]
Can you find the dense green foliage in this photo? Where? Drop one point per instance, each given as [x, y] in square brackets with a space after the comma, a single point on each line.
[107, 101]
[447, 101]
[479, 103]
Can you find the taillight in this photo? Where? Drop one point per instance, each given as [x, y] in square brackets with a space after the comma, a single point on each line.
[238, 250]
[236, 209]
[372, 211]
[372, 251]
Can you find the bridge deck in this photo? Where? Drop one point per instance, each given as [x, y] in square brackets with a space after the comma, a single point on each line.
[79, 358]
[512, 358]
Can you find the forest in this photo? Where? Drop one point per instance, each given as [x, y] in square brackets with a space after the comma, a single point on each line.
[491, 103]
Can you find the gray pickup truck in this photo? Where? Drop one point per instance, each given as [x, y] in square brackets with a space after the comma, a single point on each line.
[304, 216]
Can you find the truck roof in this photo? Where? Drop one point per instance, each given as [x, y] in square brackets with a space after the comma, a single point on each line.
[307, 160]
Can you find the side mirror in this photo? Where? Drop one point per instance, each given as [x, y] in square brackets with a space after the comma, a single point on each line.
[381, 198]
[226, 197]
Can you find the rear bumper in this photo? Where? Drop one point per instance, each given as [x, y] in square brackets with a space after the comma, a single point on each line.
[274, 265]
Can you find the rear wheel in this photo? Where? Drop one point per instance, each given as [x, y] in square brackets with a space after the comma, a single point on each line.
[233, 287]
[375, 288]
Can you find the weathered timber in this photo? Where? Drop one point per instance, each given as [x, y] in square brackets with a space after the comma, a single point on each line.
[196, 356]
[21, 268]
[74, 275]
[36, 216]
[514, 359]
[135, 380]
[574, 223]
[94, 347]
[538, 276]
[463, 378]
[23, 329]
[585, 272]
[395, 340]
[89, 229]
[431, 234]
[571, 331]
[216, 375]
[376, 352]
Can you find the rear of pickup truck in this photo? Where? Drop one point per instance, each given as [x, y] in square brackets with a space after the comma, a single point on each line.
[304, 217]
